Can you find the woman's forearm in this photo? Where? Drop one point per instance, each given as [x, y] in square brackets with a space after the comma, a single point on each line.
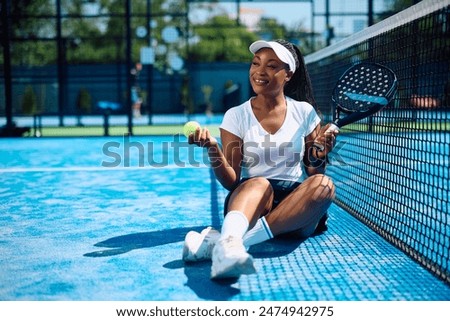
[223, 171]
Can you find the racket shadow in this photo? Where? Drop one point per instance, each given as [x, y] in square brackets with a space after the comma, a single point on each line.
[125, 243]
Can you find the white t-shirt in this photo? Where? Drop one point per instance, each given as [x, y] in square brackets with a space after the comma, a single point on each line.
[275, 156]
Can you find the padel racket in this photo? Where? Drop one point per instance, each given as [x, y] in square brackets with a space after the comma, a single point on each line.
[361, 91]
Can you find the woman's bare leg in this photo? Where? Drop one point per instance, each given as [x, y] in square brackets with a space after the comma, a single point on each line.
[253, 197]
[301, 210]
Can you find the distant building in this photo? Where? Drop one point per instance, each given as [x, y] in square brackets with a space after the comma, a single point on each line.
[249, 17]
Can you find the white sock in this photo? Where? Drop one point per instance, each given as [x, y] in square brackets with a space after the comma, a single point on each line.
[258, 234]
[234, 224]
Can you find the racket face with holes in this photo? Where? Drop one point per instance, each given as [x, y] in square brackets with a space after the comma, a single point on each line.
[361, 91]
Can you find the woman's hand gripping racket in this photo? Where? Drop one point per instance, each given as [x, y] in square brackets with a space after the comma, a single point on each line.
[361, 91]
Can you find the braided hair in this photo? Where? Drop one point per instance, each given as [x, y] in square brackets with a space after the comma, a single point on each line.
[299, 87]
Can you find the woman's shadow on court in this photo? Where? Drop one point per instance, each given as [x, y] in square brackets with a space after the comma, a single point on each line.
[198, 273]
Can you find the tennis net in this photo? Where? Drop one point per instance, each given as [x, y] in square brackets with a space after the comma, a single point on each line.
[391, 170]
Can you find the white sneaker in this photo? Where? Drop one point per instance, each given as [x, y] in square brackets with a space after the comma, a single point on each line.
[230, 259]
[199, 246]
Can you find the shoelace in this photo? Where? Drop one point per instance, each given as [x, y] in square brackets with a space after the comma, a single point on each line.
[232, 243]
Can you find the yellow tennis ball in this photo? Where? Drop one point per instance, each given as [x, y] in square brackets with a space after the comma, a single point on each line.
[190, 127]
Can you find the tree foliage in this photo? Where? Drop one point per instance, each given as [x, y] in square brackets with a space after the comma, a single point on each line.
[221, 39]
[94, 31]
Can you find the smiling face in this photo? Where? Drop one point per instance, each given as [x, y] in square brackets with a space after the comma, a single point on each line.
[268, 74]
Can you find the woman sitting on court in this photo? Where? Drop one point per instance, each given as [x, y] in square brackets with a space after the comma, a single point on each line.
[265, 154]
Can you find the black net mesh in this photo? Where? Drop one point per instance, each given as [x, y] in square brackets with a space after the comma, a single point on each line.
[392, 169]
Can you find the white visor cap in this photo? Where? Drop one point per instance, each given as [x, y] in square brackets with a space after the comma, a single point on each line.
[281, 51]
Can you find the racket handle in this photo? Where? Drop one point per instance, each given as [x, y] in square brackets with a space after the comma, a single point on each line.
[332, 128]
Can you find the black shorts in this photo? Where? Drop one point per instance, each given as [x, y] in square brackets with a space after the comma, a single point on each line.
[281, 189]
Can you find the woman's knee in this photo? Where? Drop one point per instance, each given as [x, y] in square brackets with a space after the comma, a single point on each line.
[260, 186]
[257, 190]
[322, 187]
[257, 184]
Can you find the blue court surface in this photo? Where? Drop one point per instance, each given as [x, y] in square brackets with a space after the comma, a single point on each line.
[104, 219]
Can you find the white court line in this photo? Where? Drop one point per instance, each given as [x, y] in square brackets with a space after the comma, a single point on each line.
[93, 168]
